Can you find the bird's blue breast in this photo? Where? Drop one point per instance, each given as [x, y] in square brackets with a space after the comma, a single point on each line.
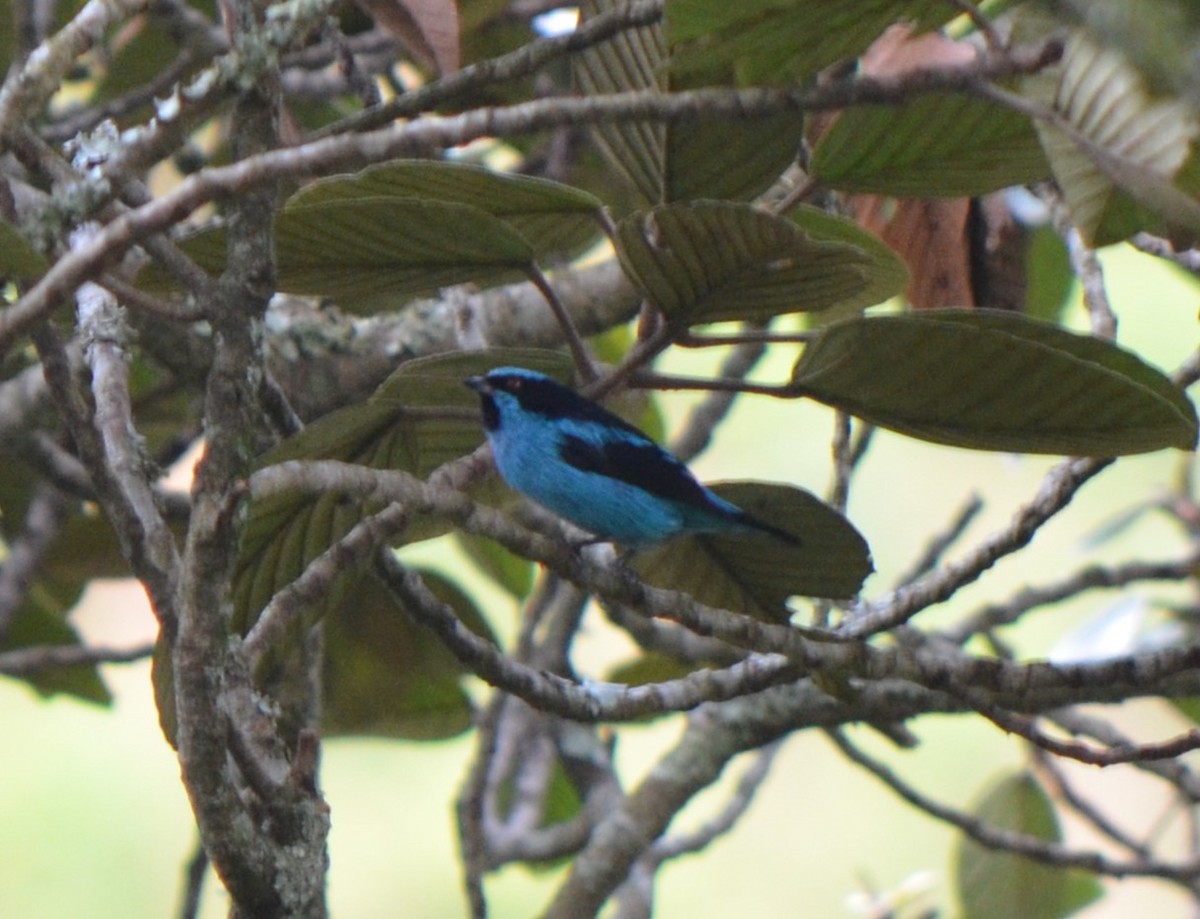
[529, 454]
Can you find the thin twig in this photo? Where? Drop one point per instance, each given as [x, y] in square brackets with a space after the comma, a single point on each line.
[1094, 577]
[1126, 753]
[1003, 840]
[698, 429]
[1188, 259]
[727, 818]
[354, 150]
[1058, 488]
[28, 661]
[1052, 770]
[583, 363]
[44, 518]
[193, 883]
[943, 541]
[511, 66]
[1086, 266]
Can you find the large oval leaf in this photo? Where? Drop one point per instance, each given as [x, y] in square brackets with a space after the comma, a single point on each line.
[941, 145]
[996, 883]
[386, 675]
[373, 253]
[633, 59]
[995, 381]
[756, 574]
[713, 261]
[552, 218]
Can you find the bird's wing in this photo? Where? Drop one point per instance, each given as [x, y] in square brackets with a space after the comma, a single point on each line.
[638, 462]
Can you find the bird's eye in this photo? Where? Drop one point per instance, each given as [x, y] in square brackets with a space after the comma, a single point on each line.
[513, 385]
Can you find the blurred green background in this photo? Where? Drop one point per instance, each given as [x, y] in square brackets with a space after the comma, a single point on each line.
[94, 822]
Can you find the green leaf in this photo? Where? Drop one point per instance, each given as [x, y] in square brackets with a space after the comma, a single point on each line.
[8, 35]
[560, 801]
[883, 271]
[41, 622]
[18, 259]
[781, 42]
[369, 254]
[146, 48]
[554, 219]
[162, 681]
[631, 60]
[650, 667]
[993, 380]
[86, 549]
[711, 158]
[714, 261]
[1118, 151]
[511, 572]
[1048, 274]
[438, 380]
[736, 159]
[386, 675]
[413, 422]
[757, 573]
[994, 883]
[1189, 707]
[939, 145]
[377, 239]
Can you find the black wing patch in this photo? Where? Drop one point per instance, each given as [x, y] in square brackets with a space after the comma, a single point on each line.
[551, 400]
[641, 463]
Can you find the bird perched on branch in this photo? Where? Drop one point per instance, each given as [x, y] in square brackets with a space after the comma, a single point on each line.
[594, 469]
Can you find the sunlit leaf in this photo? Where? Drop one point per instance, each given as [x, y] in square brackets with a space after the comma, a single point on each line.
[995, 381]
[757, 573]
[632, 60]
[1119, 151]
[996, 883]
[713, 261]
[1160, 39]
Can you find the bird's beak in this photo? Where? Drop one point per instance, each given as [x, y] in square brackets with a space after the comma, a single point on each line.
[479, 384]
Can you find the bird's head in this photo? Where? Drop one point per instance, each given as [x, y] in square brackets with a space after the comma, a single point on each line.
[509, 390]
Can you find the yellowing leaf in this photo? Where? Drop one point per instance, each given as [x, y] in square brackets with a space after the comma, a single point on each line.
[1119, 150]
